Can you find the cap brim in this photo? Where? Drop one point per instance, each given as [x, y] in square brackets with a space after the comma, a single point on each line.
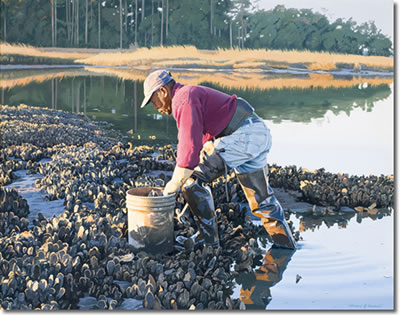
[146, 101]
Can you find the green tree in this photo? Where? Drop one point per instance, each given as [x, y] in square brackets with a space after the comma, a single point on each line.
[374, 40]
[206, 24]
[193, 30]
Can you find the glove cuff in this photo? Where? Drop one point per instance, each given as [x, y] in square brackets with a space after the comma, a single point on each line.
[181, 174]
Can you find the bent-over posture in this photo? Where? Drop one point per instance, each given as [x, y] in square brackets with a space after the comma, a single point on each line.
[216, 130]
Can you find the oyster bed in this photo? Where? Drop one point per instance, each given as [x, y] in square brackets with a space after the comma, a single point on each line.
[84, 252]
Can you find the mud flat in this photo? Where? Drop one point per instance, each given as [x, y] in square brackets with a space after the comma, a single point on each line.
[79, 256]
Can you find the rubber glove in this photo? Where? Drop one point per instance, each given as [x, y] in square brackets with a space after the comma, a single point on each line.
[179, 177]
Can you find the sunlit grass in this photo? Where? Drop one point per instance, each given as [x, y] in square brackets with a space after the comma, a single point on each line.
[26, 50]
[322, 66]
[178, 56]
[191, 57]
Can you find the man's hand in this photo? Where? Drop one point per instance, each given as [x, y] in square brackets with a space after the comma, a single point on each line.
[178, 179]
[171, 188]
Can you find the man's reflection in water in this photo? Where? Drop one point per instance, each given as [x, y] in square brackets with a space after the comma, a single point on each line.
[255, 292]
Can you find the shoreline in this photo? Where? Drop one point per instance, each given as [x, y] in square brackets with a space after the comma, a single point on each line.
[367, 72]
[203, 59]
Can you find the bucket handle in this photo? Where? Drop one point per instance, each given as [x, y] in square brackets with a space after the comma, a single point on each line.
[180, 214]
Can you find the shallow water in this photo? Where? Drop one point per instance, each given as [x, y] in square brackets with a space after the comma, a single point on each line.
[340, 268]
[344, 261]
[90, 303]
[25, 185]
[349, 268]
[357, 143]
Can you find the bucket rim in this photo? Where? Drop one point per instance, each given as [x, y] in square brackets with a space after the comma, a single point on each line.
[150, 197]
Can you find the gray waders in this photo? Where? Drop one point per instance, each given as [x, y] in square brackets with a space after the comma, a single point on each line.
[264, 205]
[201, 203]
[200, 199]
[258, 192]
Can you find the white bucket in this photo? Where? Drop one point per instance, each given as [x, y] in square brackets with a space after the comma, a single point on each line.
[150, 220]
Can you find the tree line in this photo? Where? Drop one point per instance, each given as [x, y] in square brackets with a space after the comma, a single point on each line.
[206, 24]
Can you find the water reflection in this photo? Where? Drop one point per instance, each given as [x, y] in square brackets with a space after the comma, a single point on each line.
[115, 99]
[255, 292]
[303, 105]
[23, 77]
[312, 221]
[98, 97]
[253, 79]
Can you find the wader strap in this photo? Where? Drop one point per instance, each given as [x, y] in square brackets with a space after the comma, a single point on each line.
[242, 112]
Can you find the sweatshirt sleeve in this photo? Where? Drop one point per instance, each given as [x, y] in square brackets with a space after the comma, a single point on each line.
[190, 133]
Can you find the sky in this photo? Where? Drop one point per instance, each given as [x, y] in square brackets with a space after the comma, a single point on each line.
[379, 11]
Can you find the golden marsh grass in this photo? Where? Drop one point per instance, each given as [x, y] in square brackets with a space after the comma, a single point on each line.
[26, 50]
[190, 56]
[178, 56]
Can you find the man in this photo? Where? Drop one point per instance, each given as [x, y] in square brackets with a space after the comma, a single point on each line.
[216, 131]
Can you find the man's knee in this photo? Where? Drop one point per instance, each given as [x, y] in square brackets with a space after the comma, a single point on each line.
[211, 166]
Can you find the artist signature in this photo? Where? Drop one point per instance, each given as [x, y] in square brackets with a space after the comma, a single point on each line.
[365, 306]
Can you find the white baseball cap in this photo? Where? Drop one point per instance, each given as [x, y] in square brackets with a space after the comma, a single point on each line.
[154, 81]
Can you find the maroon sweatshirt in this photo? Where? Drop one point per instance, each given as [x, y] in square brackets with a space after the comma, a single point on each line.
[201, 113]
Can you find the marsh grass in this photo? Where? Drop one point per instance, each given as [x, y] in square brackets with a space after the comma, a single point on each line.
[25, 54]
[32, 60]
[189, 56]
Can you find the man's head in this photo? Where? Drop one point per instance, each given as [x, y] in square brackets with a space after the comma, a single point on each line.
[158, 89]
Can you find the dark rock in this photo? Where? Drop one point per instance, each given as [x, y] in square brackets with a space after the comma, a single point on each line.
[204, 298]
[149, 300]
[195, 290]
[110, 267]
[60, 293]
[102, 304]
[211, 305]
[183, 299]
[157, 304]
[206, 283]
[141, 288]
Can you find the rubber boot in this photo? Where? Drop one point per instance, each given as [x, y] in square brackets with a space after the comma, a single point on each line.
[264, 205]
[201, 203]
